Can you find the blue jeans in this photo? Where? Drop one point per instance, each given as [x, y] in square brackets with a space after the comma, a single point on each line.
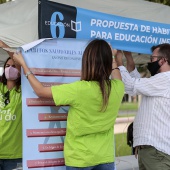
[106, 166]
[9, 164]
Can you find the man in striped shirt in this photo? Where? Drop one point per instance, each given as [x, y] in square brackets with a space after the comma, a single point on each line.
[151, 129]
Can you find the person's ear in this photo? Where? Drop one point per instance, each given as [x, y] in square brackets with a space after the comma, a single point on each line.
[162, 61]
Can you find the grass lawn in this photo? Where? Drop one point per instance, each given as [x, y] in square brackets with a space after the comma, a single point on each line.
[122, 149]
[128, 109]
[125, 115]
[128, 106]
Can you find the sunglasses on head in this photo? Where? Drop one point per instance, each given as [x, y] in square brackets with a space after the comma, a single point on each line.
[7, 100]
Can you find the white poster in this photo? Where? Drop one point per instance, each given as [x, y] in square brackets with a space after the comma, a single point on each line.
[53, 62]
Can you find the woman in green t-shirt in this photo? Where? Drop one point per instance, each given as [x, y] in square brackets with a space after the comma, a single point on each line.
[94, 103]
[10, 115]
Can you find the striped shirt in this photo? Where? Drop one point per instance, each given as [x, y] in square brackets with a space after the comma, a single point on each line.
[152, 121]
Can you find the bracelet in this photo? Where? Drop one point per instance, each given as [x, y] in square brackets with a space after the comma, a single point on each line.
[115, 68]
[28, 73]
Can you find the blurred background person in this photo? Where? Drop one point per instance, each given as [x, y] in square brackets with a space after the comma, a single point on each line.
[10, 115]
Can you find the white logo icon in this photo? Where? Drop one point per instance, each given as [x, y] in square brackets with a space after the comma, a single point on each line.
[76, 26]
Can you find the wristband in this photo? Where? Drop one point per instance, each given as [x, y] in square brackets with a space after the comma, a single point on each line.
[115, 68]
[28, 73]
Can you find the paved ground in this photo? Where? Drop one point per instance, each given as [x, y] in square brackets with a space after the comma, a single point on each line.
[125, 162]
[122, 124]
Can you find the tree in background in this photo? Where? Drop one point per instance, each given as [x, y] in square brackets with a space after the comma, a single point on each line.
[3, 1]
[165, 2]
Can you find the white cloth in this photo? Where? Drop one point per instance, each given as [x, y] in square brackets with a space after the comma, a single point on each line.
[152, 122]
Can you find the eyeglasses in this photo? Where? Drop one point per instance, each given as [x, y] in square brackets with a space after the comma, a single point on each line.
[152, 57]
[7, 100]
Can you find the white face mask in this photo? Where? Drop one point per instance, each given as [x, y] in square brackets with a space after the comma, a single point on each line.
[11, 73]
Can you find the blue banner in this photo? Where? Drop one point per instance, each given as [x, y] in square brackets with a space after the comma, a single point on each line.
[64, 21]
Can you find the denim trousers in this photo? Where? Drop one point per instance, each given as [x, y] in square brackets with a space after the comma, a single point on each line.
[9, 164]
[106, 166]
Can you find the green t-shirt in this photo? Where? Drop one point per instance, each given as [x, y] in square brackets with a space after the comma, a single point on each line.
[10, 125]
[90, 133]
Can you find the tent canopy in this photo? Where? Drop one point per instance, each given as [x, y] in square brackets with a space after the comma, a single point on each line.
[19, 22]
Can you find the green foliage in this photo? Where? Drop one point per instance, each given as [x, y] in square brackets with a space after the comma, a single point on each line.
[122, 149]
[126, 115]
[129, 106]
[165, 2]
[2, 1]
[142, 68]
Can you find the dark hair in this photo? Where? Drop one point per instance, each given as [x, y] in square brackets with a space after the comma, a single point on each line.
[164, 51]
[4, 80]
[97, 66]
